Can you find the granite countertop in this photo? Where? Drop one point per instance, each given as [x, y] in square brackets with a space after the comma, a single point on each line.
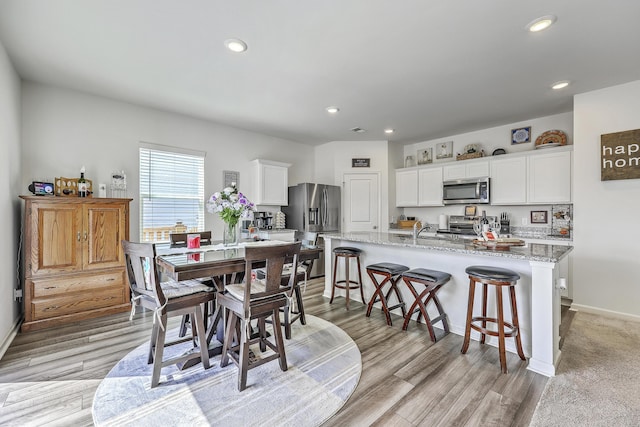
[530, 252]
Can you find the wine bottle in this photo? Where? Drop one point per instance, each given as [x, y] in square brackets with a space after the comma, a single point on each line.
[484, 219]
[82, 184]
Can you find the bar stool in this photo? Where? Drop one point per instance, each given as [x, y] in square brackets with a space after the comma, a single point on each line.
[391, 273]
[498, 277]
[346, 253]
[432, 280]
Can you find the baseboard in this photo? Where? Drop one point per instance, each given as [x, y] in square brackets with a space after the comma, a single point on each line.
[10, 336]
[603, 312]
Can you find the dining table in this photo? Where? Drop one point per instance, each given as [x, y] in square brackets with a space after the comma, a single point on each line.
[224, 265]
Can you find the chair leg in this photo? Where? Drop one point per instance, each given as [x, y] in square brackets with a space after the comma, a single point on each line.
[262, 333]
[157, 357]
[183, 325]
[516, 323]
[501, 344]
[277, 332]
[202, 337]
[347, 281]
[360, 280]
[300, 305]
[243, 359]
[483, 336]
[467, 329]
[228, 339]
[333, 284]
[152, 342]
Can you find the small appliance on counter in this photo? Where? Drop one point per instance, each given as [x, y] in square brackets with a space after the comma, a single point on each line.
[462, 226]
[264, 220]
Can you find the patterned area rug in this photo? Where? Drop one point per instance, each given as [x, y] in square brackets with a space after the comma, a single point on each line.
[598, 380]
[324, 369]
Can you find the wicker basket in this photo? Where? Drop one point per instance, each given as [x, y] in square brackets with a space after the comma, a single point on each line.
[468, 156]
[69, 187]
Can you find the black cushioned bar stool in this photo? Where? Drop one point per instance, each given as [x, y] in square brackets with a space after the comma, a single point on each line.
[500, 278]
[433, 281]
[346, 253]
[391, 274]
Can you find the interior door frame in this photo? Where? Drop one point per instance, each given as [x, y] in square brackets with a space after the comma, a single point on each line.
[343, 196]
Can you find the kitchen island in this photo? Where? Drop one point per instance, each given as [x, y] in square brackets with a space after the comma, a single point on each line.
[537, 290]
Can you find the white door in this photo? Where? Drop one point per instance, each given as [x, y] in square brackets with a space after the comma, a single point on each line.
[361, 202]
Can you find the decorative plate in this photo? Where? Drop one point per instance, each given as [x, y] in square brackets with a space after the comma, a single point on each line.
[521, 135]
[556, 137]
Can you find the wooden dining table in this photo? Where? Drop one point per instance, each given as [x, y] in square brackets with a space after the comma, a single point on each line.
[223, 265]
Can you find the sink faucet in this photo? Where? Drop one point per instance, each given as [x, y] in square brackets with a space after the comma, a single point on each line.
[416, 231]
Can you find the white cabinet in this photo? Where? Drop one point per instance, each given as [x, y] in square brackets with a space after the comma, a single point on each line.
[550, 178]
[430, 187]
[466, 169]
[271, 182]
[508, 181]
[407, 187]
[419, 187]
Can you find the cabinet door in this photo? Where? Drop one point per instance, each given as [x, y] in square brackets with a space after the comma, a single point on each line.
[430, 187]
[477, 169]
[457, 171]
[550, 178]
[102, 234]
[407, 188]
[508, 181]
[55, 238]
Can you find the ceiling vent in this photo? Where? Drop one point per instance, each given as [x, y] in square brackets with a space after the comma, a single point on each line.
[358, 130]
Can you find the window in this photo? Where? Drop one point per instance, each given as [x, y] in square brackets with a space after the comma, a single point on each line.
[171, 192]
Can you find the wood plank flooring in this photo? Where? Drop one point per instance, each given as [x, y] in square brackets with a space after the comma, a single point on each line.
[49, 377]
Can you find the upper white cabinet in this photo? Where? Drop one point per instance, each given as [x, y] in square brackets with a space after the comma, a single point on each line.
[550, 178]
[271, 182]
[466, 169]
[508, 181]
[407, 187]
[430, 187]
[532, 178]
[419, 187]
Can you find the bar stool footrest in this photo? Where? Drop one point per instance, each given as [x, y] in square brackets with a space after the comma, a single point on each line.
[511, 332]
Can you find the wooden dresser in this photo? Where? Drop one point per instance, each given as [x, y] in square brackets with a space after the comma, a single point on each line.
[73, 260]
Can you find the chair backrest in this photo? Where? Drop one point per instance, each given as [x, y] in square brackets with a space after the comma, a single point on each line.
[140, 260]
[179, 240]
[307, 238]
[275, 257]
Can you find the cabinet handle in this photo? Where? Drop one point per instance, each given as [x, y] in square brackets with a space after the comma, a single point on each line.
[85, 235]
[51, 287]
[78, 236]
[55, 307]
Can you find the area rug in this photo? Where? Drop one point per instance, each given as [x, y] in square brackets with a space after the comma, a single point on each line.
[598, 380]
[324, 369]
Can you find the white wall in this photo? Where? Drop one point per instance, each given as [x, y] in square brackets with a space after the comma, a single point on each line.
[606, 233]
[333, 160]
[10, 185]
[63, 130]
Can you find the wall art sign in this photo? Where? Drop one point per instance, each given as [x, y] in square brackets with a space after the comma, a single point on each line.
[360, 163]
[444, 150]
[620, 155]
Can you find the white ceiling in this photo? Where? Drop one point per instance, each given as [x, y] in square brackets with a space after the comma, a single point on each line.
[427, 68]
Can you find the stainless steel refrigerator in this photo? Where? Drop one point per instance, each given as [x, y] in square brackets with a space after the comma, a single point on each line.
[314, 207]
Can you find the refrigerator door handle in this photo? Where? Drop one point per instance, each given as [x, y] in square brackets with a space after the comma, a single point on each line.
[325, 210]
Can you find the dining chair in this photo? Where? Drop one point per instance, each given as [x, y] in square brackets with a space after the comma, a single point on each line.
[165, 299]
[179, 240]
[257, 299]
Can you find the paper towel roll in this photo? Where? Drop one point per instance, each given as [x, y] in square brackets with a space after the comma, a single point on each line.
[443, 222]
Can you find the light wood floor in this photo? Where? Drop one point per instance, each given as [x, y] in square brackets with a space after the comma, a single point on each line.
[50, 377]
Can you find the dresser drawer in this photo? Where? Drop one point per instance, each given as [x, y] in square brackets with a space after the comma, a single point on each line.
[45, 308]
[54, 286]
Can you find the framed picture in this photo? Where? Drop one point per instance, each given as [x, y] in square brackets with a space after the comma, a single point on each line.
[469, 211]
[229, 178]
[521, 135]
[444, 150]
[538, 217]
[425, 156]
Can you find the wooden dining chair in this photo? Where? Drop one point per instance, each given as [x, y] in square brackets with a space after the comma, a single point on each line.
[257, 299]
[165, 300]
[179, 240]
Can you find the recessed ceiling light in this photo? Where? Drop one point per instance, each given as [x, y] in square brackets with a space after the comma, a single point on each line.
[235, 45]
[332, 110]
[541, 23]
[388, 130]
[560, 85]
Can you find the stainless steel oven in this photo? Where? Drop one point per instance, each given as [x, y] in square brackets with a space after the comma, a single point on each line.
[466, 191]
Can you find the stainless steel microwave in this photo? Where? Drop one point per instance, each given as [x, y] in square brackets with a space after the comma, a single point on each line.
[466, 191]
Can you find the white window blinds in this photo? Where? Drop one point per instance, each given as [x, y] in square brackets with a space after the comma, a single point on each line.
[171, 193]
